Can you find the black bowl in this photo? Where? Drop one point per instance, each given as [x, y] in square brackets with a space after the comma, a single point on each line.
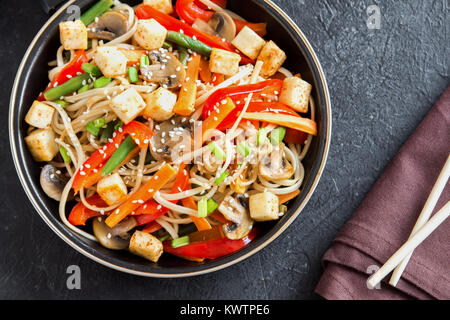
[32, 77]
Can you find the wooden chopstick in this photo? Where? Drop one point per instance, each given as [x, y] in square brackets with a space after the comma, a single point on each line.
[424, 216]
[409, 246]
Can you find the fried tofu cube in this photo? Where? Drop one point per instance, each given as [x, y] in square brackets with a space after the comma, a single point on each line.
[150, 34]
[264, 206]
[40, 115]
[146, 245]
[224, 62]
[112, 189]
[42, 145]
[249, 42]
[111, 61]
[159, 104]
[165, 6]
[272, 57]
[73, 35]
[128, 105]
[296, 93]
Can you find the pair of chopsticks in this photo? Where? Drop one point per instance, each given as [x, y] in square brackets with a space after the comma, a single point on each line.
[422, 229]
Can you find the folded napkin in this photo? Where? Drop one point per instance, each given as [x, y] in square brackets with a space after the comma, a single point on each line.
[386, 217]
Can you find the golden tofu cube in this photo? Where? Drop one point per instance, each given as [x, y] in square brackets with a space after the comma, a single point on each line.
[128, 105]
[272, 57]
[296, 93]
[112, 189]
[249, 42]
[264, 206]
[40, 115]
[224, 62]
[150, 34]
[146, 245]
[159, 104]
[165, 6]
[73, 35]
[42, 145]
[111, 61]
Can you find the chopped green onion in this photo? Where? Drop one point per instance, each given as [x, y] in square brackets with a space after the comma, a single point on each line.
[84, 88]
[96, 10]
[92, 128]
[64, 154]
[118, 125]
[91, 69]
[243, 149]
[222, 177]
[145, 61]
[164, 238]
[202, 211]
[211, 206]
[262, 135]
[180, 242]
[67, 87]
[133, 74]
[101, 82]
[62, 103]
[118, 156]
[217, 151]
[277, 135]
[99, 123]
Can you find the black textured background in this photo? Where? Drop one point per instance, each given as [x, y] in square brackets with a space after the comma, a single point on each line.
[382, 83]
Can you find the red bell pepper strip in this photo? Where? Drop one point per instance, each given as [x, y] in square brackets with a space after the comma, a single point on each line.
[69, 71]
[80, 213]
[210, 249]
[152, 227]
[189, 11]
[170, 23]
[295, 137]
[89, 172]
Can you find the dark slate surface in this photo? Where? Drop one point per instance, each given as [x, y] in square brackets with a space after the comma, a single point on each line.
[382, 83]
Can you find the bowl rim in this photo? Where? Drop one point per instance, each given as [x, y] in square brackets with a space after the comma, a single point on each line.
[154, 274]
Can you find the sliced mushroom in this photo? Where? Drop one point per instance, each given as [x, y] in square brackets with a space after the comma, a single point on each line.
[203, 26]
[223, 25]
[171, 139]
[52, 181]
[241, 223]
[116, 238]
[108, 26]
[274, 166]
[165, 69]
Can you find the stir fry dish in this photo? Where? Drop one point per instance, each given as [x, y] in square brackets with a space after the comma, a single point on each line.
[170, 128]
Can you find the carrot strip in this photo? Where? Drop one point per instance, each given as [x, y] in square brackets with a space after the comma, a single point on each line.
[216, 117]
[219, 217]
[204, 72]
[297, 123]
[283, 198]
[185, 104]
[146, 192]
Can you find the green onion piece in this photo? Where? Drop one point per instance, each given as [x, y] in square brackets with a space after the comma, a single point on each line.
[262, 135]
[189, 43]
[164, 238]
[133, 74]
[222, 177]
[217, 151]
[145, 61]
[64, 154]
[180, 242]
[183, 55]
[84, 88]
[62, 103]
[99, 123]
[277, 135]
[92, 128]
[91, 69]
[167, 45]
[67, 87]
[118, 156]
[202, 211]
[243, 149]
[211, 206]
[96, 10]
[101, 82]
[107, 132]
[118, 125]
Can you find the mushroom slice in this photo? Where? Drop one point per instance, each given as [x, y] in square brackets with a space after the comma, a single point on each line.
[116, 238]
[165, 69]
[108, 26]
[241, 223]
[223, 25]
[171, 139]
[52, 181]
[274, 166]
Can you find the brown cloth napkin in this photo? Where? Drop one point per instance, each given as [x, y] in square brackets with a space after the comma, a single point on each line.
[386, 217]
